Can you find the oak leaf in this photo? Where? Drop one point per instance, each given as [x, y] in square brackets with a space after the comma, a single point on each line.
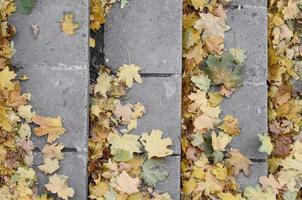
[52, 127]
[155, 145]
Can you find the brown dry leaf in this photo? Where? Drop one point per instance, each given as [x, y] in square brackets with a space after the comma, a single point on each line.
[53, 151]
[203, 123]
[270, 181]
[58, 185]
[126, 184]
[68, 25]
[230, 125]
[239, 162]
[52, 127]
[123, 112]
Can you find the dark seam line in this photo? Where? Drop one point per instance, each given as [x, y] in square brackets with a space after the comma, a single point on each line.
[258, 160]
[157, 74]
[36, 149]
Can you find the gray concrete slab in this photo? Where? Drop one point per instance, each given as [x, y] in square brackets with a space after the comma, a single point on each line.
[52, 47]
[257, 170]
[146, 33]
[73, 166]
[249, 32]
[56, 91]
[161, 97]
[172, 184]
[256, 3]
[248, 104]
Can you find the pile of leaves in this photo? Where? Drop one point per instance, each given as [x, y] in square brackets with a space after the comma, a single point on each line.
[17, 175]
[209, 166]
[122, 165]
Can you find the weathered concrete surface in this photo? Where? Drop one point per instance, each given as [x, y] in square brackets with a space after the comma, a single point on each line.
[257, 169]
[172, 166]
[249, 103]
[161, 97]
[257, 3]
[58, 68]
[71, 166]
[56, 91]
[52, 47]
[147, 33]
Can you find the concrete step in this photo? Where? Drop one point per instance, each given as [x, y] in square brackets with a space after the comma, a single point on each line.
[249, 103]
[58, 68]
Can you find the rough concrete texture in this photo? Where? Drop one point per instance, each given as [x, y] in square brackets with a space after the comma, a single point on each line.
[71, 166]
[52, 47]
[161, 97]
[249, 103]
[172, 184]
[55, 92]
[58, 68]
[146, 33]
[256, 3]
[257, 170]
[249, 32]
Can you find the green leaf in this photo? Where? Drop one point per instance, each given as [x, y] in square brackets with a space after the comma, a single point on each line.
[25, 6]
[151, 172]
[124, 3]
[110, 194]
[223, 71]
[266, 144]
[202, 82]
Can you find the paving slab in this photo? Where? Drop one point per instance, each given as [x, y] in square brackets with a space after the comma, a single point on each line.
[161, 97]
[249, 32]
[52, 47]
[71, 166]
[257, 170]
[249, 103]
[256, 3]
[147, 33]
[59, 91]
[172, 184]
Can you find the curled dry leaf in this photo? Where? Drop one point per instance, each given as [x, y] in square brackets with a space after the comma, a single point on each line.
[52, 127]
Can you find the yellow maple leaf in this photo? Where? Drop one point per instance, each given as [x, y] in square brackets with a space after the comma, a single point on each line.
[68, 25]
[58, 184]
[221, 141]
[103, 84]
[129, 73]
[52, 127]
[25, 112]
[126, 184]
[53, 151]
[49, 166]
[155, 145]
[189, 186]
[98, 190]
[6, 77]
